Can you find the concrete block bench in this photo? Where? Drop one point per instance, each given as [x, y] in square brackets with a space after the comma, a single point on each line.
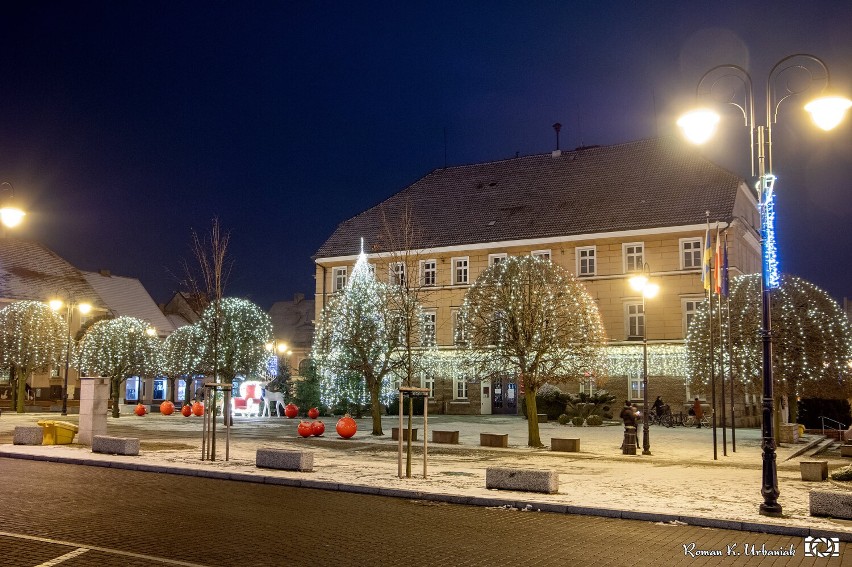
[27, 435]
[284, 460]
[814, 470]
[395, 433]
[831, 503]
[846, 450]
[542, 417]
[525, 480]
[115, 445]
[451, 437]
[494, 439]
[569, 445]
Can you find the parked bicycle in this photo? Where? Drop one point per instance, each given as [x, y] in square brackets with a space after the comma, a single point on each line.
[664, 417]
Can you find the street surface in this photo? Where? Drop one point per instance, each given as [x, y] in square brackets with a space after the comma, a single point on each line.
[70, 515]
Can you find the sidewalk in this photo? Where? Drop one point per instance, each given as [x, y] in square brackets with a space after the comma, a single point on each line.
[680, 481]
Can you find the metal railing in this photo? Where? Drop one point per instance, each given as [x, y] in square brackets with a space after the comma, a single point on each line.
[823, 419]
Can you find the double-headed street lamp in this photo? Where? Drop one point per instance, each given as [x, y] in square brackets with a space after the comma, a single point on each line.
[70, 305]
[10, 215]
[649, 290]
[801, 73]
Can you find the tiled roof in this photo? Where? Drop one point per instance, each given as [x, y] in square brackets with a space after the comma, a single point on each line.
[128, 297]
[639, 185]
[292, 322]
[31, 271]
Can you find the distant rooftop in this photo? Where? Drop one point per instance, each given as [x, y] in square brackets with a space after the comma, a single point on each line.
[128, 297]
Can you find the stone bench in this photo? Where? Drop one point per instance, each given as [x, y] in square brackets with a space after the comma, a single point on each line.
[814, 470]
[451, 437]
[115, 445]
[831, 503]
[494, 439]
[542, 417]
[525, 480]
[395, 433]
[27, 435]
[569, 445]
[284, 460]
[846, 450]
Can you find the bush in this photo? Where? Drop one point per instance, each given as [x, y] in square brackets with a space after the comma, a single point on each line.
[585, 405]
[810, 410]
[594, 420]
[548, 400]
[578, 421]
[844, 473]
[393, 406]
[563, 419]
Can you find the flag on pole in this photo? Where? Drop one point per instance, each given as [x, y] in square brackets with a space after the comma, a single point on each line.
[708, 253]
[725, 267]
[717, 265]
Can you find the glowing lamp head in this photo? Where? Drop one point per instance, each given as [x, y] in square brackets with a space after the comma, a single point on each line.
[84, 308]
[11, 216]
[55, 304]
[638, 283]
[828, 111]
[269, 346]
[699, 125]
[651, 290]
[282, 348]
[151, 331]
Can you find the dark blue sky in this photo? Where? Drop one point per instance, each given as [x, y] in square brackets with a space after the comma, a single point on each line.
[125, 124]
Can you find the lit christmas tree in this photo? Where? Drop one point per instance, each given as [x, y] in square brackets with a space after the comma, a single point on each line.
[183, 351]
[235, 335]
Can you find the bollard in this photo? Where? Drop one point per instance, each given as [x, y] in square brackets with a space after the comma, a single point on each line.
[629, 446]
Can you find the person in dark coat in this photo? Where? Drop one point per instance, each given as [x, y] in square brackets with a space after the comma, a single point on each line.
[699, 412]
[658, 406]
[628, 415]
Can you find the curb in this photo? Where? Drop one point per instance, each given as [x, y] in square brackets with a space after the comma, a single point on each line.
[492, 502]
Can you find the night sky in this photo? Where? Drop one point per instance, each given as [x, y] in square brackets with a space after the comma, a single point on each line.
[125, 124]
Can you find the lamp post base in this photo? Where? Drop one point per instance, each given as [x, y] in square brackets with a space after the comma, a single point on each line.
[773, 510]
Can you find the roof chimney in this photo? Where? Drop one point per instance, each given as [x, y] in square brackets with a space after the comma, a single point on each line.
[298, 297]
[105, 273]
[557, 152]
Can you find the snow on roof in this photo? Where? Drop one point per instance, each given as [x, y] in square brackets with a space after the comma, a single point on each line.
[128, 297]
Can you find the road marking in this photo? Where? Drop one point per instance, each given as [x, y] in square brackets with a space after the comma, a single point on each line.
[62, 558]
[87, 547]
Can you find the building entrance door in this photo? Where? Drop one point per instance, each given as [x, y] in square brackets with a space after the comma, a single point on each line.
[504, 397]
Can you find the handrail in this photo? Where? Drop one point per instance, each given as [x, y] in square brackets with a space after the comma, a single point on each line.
[823, 419]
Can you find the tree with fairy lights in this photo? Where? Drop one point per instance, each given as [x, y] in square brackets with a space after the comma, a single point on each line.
[183, 352]
[32, 339]
[355, 344]
[118, 349]
[529, 316]
[242, 329]
[811, 340]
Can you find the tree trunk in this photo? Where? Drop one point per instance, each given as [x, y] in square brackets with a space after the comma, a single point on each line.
[115, 397]
[375, 407]
[22, 391]
[408, 443]
[533, 438]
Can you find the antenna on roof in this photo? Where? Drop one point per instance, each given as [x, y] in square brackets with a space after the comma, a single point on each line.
[445, 147]
[362, 245]
[557, 126]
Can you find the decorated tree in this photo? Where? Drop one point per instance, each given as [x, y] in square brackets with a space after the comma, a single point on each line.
[529, 316]
[183, 353]
[235, 332]
[355, 343]
[811, 340]
[32, 338]
[118, 349]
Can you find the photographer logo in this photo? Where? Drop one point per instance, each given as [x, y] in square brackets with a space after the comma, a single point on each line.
[822, 547]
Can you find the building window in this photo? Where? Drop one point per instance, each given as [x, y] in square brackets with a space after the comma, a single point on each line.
[396, 273]
[587, 385]
[635, 321]
[459, 335]
[429, 272]
[338, 276]
[637, 388]
[690, 253]
[460, 271]
[496, 258]
[586, 261]
[634, 256]
[428, 382]
[460, 389]
[543, 254]
[690, 308]
[429, 320]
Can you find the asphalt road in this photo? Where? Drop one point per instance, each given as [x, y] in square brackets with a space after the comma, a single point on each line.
[72, 516]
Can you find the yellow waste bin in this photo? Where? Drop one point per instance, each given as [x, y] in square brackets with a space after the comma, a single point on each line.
[57, 432]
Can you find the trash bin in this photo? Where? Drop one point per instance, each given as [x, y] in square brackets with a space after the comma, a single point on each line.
[57, 432]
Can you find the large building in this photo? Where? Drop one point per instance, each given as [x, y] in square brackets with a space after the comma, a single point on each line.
[603, 213]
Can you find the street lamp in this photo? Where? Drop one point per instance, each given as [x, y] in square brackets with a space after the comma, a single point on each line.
[83, 308]
[10, 215]
[642, 283]
[698, 126]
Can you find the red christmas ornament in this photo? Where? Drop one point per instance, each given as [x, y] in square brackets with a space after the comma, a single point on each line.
[198, 409]
[186, 410]
[167, 408]
[140, 410]
[291, 410]
[346, 427]
[313, 413]
[305, 429]
[317, 428]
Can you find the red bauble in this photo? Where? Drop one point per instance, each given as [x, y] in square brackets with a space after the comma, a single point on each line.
[167, 408]
[305, 429]
[291, 410]
[186, 410]
[317, 428]
[313, 413]
[198, 409]
[346, 427]
[140, 410]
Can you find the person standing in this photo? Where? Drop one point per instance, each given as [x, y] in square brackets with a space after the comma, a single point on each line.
[699, 412]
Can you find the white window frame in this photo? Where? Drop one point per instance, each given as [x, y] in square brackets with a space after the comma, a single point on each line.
[684, 242]
[541, 254]
[336, 274]
[636, 308]
[428, 381]
[641, 256]
[684, 303]
[372, 269]
[455, 262]
[588, 385]
[593, 257]
[397, 273]
[636, 386]
[426, 269]
[460, 390]
[496, 258]
[430, 321]
[458, 336]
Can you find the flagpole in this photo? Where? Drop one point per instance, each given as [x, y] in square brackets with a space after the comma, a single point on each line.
[708, 270]
[727, 294]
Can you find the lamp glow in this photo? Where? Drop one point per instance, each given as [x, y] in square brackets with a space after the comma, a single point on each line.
[84, 308]
[699, 125]
[150, 331]
[55, 304]
[651, 290]
[828, 111]
[638, 283]
[11, 216]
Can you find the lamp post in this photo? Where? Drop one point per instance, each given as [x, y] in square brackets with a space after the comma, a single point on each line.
[642, 283]
[699, 126]
[83, 308]
[10, 215]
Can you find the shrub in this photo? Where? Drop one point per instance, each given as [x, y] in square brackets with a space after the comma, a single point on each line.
[810, 410]
[844, 473]
[563, 419]
[585, 405]
[548, 400]
[594, 420]
[578, 421]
